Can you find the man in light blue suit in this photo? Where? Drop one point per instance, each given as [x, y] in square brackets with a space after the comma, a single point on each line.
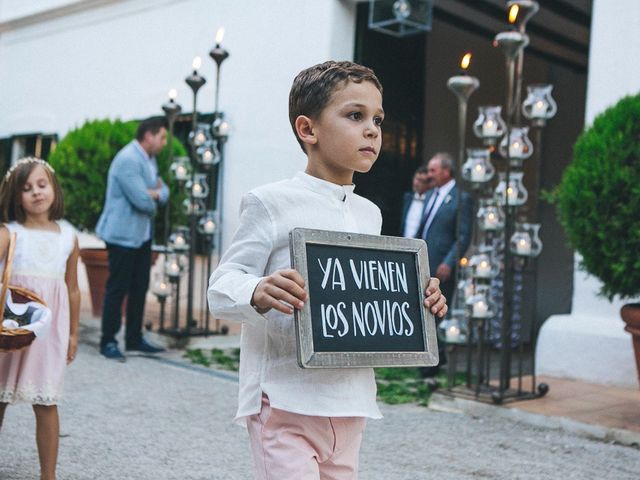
[134, 190]
[438, 228]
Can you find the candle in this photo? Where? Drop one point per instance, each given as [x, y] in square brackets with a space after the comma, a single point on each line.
[197, 189]
[219, 35]
[523, 246]
[223, 129]
[478, 172]
[490, 221]
[452, 333]
[173, 270]
[483, 269]
[209, 227]
[200, 138]
[468, 289]
[181, 172]
[512, 194]
[196, 64]
[539, 109]
[207, 156]
[515, 149]
[179, 241]
[161, 289]
[480, 309]
[489, 128]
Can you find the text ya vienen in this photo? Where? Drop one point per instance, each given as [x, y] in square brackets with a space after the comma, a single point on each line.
[378, 317]
[367, 274]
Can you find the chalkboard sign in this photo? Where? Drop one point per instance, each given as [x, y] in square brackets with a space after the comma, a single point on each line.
[365, 306]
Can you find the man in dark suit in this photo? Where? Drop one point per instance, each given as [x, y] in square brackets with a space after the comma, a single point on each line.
[413, 203]
[438, 228]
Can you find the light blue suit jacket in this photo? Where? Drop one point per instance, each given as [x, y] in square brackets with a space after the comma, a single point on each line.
[128, 208]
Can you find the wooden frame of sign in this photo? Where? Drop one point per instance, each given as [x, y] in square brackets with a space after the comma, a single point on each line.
[365, 306]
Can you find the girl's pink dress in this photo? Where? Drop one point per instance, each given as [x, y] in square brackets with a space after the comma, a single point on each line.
[36, 374]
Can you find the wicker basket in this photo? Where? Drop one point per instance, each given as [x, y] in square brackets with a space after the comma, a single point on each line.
[14, 339]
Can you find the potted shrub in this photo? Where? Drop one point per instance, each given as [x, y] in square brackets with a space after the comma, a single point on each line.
[598, 203]
[82, 160]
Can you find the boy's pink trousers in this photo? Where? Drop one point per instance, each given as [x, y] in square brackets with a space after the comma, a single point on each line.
[290, 446]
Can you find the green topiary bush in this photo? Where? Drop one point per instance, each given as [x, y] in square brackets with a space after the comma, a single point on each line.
[598, 199]
[82, 159]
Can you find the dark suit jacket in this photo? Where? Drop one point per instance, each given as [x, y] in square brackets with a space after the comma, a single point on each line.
[440, 237]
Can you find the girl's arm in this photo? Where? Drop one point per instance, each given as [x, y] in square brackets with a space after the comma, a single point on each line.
[71, 279]
[4, 242]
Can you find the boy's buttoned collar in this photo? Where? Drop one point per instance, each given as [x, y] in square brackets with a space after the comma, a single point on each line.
[339, 192]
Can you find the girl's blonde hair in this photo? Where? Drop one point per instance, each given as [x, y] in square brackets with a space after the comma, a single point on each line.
[13, 183]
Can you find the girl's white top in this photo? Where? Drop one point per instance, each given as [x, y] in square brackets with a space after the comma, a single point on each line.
[268, 361]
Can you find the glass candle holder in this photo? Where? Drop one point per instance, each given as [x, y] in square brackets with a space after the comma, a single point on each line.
[489, 125]
[539, 106]
[478, 168]
[180, 169]
[173, 267]
[455, 328]
[179, 240]
[161, 287]
[207, 224]
[480, 305]
[208, 154]
[198, 187]
[520, 147]
[490, 215]
[220, 128]
[200, 135]
[484, 266]
[193, 207]
[515, 193]
[525, 241]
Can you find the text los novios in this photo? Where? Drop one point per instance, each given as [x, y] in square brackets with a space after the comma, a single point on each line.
[378, 317]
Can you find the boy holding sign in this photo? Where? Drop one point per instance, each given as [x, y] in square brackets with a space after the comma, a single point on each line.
[304, 423]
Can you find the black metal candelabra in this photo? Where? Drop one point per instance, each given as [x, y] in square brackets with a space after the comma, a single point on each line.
[201, 175]
[491, 279]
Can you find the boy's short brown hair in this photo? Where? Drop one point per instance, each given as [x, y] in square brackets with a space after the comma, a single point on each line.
[313, 87]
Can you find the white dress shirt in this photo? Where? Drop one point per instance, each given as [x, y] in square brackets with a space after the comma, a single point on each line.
[268, 361]
[414, 216]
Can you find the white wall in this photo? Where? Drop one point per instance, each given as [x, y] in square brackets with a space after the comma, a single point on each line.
[614, 62]
[120, 59]
[590, 343]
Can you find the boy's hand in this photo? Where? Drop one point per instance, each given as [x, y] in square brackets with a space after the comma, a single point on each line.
[282, 290]
[434, 299]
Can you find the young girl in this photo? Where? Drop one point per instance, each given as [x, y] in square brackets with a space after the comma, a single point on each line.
[45, 262]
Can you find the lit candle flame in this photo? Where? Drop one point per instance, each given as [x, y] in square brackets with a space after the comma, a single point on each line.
[173, 93]
[513, 13]
[466, 61]
[464, 261]
[219, 35]
[197, 63]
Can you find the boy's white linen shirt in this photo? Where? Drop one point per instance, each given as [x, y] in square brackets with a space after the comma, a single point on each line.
[268, 361]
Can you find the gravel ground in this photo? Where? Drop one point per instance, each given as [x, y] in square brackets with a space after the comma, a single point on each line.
[150, 419]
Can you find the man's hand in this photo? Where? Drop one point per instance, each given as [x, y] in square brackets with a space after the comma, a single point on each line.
[443, 273]
[282, 290]
[434, 299]
[155, 194]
